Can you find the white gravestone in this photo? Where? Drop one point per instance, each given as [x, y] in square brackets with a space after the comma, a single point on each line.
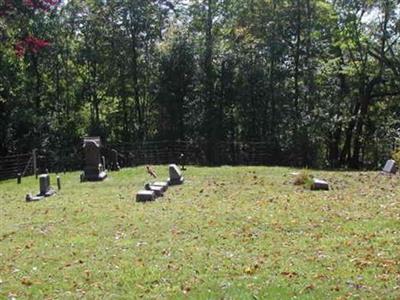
[175, 175]
[390, 167]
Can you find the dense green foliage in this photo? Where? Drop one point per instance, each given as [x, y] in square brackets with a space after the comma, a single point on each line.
[316, 79]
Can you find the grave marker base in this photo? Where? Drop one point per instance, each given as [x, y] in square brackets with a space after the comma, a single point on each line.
[145, 196]
[319, 185]
[176, 181]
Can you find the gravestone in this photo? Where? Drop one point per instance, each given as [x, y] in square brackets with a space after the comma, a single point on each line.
[44, 181]
[319, 185]
[44, 187]
[94, 169]
[175, 175]
[158, 190]
[162, 184]
[114, 161]
[390, 167]
[144, 196]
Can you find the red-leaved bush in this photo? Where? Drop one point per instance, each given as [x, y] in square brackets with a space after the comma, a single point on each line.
[29, 44]
[41, 4]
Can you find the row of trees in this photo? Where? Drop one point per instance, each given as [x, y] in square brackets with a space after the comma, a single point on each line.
[317, 80]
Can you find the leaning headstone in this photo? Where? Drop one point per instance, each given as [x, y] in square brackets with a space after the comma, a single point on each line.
[94, 169]
[158, 190]
[319, 185]
[114, 161]
[390, 167]
[162, 184]
[144, 196]
[175, 175]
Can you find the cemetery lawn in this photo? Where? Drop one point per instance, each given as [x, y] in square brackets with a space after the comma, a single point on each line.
[230, 232]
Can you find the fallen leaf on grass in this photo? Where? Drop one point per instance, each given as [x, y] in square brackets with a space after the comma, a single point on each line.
[26, 281]
[289, 274]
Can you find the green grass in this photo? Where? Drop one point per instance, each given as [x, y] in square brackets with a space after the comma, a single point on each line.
[227, 233]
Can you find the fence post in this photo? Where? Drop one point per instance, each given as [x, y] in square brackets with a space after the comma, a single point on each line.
[34, 157]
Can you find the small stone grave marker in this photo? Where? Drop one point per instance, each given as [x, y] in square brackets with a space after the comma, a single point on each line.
[390, 167]
[319, 185]
[175, 175]
[144, 196]
[158, 190]
[44, 187]
[162, 184]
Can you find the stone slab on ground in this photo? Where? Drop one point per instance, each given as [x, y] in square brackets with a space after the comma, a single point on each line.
[156, 189]
[144, 196]
[162, 184]
[319, 185]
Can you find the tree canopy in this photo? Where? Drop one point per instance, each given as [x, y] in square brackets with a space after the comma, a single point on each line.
[316, 80]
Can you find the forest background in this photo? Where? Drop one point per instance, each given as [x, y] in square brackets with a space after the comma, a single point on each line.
[316, 81]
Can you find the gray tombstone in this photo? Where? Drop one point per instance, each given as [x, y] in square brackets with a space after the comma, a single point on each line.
[319, 185]
[144, 196]
[158, 190]
[44, 181]
[390, 167]
[45, 189]
[175, 175]
[94, 169]
[114, 161]
[162, 184]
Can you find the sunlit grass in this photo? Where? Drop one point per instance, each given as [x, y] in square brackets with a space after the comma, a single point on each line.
[243, 232]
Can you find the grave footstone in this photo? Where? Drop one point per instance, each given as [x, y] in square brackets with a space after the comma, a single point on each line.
[94, 169]
[30, 198]
[144, 196]
[390, 167]
[175, 175]
[158, 190]
[319, 185]
[162, 184]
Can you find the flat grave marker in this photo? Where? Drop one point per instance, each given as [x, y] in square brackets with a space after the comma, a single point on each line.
[319, 185]
[145, 196]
